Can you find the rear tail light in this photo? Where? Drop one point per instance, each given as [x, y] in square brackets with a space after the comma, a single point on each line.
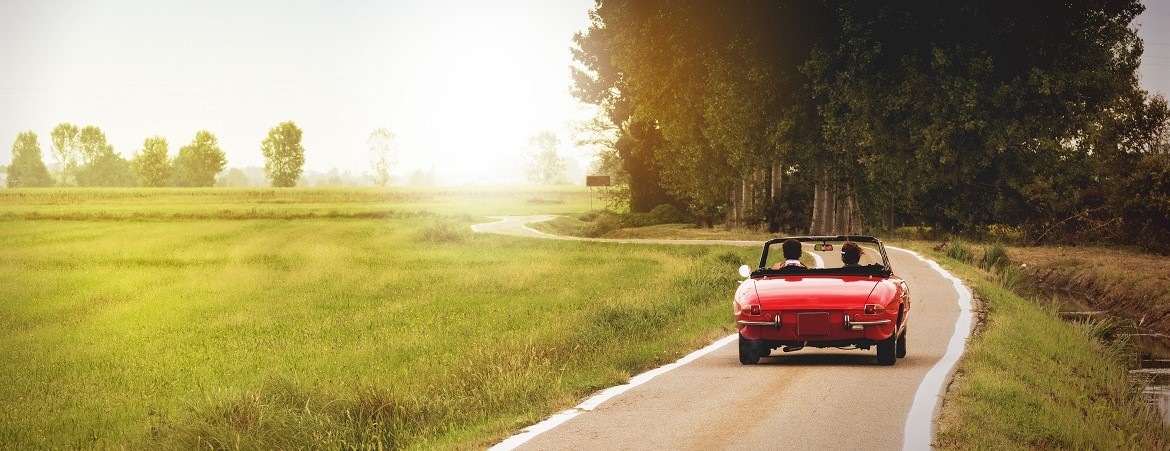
[874, 309]
[755, 310]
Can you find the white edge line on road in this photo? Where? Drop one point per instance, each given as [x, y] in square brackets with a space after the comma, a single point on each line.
[474, 227]
[530, 229]
[820, 261]
[920, 421]
[605, 395]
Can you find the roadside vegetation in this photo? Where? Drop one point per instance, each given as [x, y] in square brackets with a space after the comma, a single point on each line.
[148, 321]
[1030, 379]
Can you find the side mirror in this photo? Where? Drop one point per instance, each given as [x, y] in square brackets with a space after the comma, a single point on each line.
[745, 271]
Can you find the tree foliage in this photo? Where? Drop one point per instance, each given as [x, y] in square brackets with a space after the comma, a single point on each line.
[28, 168]
[151, 164]
[952, 114]
[284, 156]
[100, 165]
[542, 164]
[383, 156]
[199, 162]
[66, 150]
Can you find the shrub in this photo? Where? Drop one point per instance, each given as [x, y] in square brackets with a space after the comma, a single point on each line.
[602, 225]
[1145, 204]
[667, 214]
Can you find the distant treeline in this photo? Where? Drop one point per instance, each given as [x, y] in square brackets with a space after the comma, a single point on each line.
[826, 115]
[84, 158]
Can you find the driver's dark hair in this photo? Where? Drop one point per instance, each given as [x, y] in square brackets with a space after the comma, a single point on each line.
[791, 249]
[850, 253]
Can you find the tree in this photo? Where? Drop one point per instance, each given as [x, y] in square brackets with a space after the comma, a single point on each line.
[92, 144]
[101, 166]
[541, 162]
[67, 151]
[108, 169]
[151, 164]
[233, 178]
[382, 154]
[283, 154]
[199, 162]
[28, 169]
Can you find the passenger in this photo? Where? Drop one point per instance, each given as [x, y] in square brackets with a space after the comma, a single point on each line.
[792, 251]
[851, 254]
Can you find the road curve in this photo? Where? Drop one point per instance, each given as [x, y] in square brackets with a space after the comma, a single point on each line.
[810, 399]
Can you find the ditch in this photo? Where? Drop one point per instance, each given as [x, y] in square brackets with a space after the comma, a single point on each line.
[1153, 349]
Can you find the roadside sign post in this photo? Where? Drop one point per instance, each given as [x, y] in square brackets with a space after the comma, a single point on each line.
[596, 180]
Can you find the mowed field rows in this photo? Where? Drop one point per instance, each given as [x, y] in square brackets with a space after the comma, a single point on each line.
[159, 323]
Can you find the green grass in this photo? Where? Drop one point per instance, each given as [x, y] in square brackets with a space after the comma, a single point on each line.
[171, 329]
[1030, 380]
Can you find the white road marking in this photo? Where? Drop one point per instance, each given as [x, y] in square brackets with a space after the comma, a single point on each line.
[820, 261]
[920, 421]
[530, 229]
[607, 394]
[475, 227]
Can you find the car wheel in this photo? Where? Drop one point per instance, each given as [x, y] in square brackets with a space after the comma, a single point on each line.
[900, 349]
[749, 351]
[885, 349]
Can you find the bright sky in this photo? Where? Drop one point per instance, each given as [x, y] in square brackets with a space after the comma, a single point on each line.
[462, 83]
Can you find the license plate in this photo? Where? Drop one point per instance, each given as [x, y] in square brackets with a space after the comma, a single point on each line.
[812, 323]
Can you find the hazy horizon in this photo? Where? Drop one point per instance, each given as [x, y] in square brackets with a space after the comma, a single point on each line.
[462, 84]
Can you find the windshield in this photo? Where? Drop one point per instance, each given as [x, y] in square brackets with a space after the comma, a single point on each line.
[862, 253]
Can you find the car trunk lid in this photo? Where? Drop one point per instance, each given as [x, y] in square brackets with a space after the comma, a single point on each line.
[813, 293]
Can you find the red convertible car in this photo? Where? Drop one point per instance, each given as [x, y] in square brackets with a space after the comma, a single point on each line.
[828, 291]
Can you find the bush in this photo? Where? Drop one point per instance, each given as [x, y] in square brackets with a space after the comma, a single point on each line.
[1145, 203]
[602, 225]
[667, 214]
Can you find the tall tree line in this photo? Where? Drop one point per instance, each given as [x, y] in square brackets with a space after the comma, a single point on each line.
[827, 116]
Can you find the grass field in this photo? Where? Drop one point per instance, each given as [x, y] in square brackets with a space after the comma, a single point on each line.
[322, 318]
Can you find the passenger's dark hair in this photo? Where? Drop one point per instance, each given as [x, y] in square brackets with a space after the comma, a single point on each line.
[851, 253]
[791, 249]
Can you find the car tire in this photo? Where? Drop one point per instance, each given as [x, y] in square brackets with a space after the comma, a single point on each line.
[886, 349]
[900, 349]
[749, 351]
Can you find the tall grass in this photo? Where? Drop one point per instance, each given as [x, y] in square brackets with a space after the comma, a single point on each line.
[311, 332]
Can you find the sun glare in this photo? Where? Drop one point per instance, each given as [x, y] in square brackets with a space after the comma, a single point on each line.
[480, 91]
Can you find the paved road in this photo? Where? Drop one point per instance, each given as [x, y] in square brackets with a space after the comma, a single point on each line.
[810, 399]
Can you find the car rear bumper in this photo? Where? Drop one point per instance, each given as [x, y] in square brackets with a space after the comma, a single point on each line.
[838, 325]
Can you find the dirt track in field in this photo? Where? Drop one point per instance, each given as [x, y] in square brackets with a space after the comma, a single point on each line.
[809, 399]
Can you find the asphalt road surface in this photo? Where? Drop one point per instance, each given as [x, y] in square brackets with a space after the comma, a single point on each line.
[808, 399]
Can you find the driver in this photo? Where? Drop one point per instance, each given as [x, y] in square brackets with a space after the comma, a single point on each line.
[851, 254]
[792, 253]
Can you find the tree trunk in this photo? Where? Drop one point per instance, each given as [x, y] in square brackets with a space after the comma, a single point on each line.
[835, 210]
[732, 207]
[775, 183]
